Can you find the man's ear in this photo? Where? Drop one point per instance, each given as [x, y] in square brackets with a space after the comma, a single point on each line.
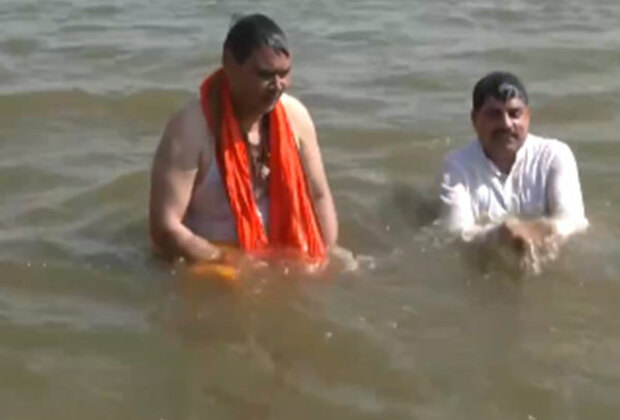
[229, 64]
[227, 58]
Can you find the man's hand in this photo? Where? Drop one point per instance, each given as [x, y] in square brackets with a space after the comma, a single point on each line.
[229, 255]
[526, 236]
[534, 242]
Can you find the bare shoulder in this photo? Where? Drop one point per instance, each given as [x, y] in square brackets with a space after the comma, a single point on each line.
[185, 135]
[299, 118]
[294, 107]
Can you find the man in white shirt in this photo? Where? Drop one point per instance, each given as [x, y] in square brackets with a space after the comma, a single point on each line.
[508, 186]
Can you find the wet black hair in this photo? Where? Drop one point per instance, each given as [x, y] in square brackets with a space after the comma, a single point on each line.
[254, 31]
[501, 85]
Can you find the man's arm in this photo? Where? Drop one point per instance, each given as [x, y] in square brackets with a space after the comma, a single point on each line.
[457, 216]
[564, 198]
[456, 213]
[173, 174]
[313, 165]
[565, 210]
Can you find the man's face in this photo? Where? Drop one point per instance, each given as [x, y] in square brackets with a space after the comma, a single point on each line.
[502, 127]
[258, 83]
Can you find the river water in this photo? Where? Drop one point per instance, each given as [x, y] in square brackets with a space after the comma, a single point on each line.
[92, 326]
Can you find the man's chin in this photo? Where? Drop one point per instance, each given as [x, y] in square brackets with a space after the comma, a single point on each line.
[267, 107]
[510, 143]
[271, 102]
[270, 106]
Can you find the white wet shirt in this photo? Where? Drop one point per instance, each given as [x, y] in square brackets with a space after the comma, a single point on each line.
[543, 182]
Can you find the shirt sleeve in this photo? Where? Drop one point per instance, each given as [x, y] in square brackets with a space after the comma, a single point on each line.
[456, 212]
[564, 197]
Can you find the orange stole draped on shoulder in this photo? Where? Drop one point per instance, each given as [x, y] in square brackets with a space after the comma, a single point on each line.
[293, 225]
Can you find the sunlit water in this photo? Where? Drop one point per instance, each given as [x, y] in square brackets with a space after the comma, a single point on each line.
[92, 326]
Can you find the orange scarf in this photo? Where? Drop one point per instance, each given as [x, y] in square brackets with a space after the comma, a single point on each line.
[292, 222]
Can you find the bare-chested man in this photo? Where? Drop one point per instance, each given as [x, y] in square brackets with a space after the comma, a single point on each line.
[193, 209]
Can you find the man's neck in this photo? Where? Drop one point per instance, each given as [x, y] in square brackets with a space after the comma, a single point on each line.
[505, 164]
[249, 121]
[250, 124]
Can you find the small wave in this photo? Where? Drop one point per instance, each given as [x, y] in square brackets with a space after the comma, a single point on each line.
[156, 104]
[121, 188]
[25, 178]
[102, 10]
[19, 46]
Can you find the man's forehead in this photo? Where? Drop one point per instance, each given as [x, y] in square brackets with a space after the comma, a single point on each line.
[496, 103]
[267, 53]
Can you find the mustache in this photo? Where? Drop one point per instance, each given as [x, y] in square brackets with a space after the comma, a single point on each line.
[502, 132]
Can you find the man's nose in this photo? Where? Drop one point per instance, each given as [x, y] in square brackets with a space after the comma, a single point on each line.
[505, 120]
[280, 82]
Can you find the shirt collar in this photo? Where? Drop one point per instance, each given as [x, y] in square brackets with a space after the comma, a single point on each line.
[491, 166]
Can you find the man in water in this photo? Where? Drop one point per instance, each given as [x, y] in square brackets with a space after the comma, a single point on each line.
[508, 186]
[240, 165]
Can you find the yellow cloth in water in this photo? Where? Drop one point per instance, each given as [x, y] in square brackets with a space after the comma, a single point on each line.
[222, 272]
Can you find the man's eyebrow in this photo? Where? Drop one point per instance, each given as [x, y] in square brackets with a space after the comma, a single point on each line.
[263, 70]
[494, 107]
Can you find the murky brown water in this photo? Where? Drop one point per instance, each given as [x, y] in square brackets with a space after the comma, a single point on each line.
[91, 326]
